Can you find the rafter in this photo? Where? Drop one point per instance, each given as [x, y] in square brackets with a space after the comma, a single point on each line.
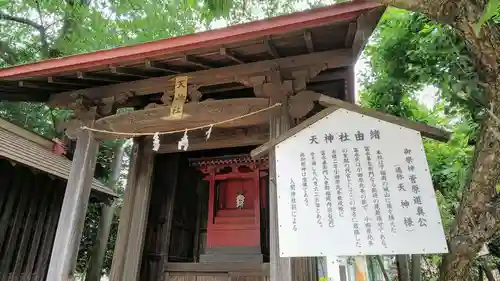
[309, 41]
[271, 49]
[196, 61]
[227, 53]
[216, 76]
[159, 66]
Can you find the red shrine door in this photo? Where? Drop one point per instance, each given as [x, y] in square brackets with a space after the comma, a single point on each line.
[233, 226]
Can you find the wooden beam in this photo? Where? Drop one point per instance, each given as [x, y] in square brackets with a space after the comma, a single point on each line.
[334, 104]
[225, 52]
[67, 82]
[132, 227]
[90, 77]
[364, 28]
[351, 33]
[219, 138]
[123, 72]
[195, 61]
[223, 75]
[70, 226]
[271, 49]
[159, 66]
[41, 86]
[309, 41]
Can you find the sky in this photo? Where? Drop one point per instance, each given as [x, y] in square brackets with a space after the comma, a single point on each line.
[427, 96]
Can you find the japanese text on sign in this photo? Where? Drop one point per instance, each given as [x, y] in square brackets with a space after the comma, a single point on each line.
[180, 95]
[360, 187]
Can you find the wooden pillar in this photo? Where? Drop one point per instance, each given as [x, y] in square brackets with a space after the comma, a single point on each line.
[134, 214]
[403, 270]
[350, 85]
[168, 212]
[76, 197]
[107, 213]
[416, 270]
[282, 269]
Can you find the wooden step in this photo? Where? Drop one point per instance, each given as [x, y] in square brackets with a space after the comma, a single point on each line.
[235, 213]
[234, 220]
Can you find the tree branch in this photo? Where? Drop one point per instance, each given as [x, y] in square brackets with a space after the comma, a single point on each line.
[443, 11]
[4, 16]
[41, 29]
[69, 24]
[8, 54]
[43, 36]
[486, 268]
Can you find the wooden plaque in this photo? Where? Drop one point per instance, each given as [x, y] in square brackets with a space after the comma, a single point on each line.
[194, 114]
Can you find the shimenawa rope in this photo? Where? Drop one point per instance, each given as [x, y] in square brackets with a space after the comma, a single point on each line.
[183, 130]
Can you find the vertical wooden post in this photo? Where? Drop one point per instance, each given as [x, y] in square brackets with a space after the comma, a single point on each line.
[99, 249]
[74, 206]
[168, 212]
[107, 213]
[133, 218]
[416, 270]
[403, 270]
[350, 90]
[125, 218]
[282, 269]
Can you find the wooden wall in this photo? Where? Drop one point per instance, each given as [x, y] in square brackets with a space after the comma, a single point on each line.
[176, 230]
[173, 213]
[29, 212]
[217, 272]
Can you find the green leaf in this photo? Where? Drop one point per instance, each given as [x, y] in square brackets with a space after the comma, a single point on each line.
[492, 9]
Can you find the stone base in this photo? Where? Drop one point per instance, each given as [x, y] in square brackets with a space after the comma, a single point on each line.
[232, 254]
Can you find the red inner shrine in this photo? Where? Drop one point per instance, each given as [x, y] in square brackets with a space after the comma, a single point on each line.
[236, 197]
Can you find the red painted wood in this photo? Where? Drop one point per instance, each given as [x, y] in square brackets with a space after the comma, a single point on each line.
[229, 226]
[230, 190]
[233, 238]
[211, 201]
[212, 38]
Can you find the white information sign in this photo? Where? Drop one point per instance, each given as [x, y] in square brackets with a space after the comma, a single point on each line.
[352, 185]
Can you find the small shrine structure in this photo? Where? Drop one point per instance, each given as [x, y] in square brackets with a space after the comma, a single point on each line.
[34, 176]
[197, 207]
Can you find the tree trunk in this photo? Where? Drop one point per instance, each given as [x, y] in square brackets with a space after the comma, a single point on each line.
[478, 217]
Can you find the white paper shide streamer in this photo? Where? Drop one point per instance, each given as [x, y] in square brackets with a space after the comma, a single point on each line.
[240, 201]
[156, 141]
[208, 132]
[184, 142]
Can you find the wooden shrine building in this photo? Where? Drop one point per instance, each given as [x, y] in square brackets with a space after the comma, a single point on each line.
[34, 178]
[203, 209]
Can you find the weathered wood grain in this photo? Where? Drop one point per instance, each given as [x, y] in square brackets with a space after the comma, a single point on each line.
[11, 242]
[70, 226]
[117, 265]
[39, 227]
[328, 59]
[219, 138]
[22, 251]
[133, 219]
[194, 115]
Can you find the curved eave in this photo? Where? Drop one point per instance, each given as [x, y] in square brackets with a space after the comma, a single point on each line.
[241, 32]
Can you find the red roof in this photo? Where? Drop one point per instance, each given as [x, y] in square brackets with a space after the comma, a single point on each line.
[276, 25]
